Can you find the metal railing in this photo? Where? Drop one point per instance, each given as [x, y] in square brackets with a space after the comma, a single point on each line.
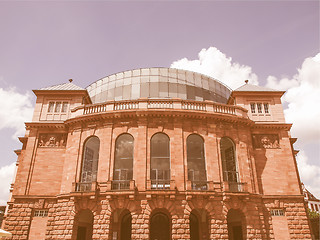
[160, 184]
[199, 185]
[85, 186]
[120, 185]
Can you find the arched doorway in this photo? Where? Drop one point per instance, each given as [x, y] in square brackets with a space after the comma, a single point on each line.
[159, 227]
[236, 225]
[199, 225]
[194, 227]
[125, 229]
[84, 225]
[121, 225]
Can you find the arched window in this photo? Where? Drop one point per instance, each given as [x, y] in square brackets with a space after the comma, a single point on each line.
[160, 161]
[123, 162]
[229, 163]
[90, 160]
[196, 162]
[121, 225]
[236, 225]
[159, 227]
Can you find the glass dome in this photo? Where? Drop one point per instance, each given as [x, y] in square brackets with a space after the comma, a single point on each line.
[158, 83]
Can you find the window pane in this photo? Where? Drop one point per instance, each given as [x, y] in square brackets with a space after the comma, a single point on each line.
[64, 107]
[228, 160]
[90, 160]
[160, 156]
[124, 157]
[195, 158]
[51, 107]
[259, 106]
[253, 107]
[58, 107]
[266, 107]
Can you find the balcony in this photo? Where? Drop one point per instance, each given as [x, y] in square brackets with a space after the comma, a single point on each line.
[235, 187]
[84, 186]
[204, 186]
[122, 185]
[158, 184]
[172, 104]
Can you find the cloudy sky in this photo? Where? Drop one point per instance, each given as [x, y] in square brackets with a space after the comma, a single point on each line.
[271, 43]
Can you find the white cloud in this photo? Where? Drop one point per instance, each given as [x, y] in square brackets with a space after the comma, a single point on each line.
[15, 109]
[302, 98]
[309, 174]
[6, 177]
[214, 63]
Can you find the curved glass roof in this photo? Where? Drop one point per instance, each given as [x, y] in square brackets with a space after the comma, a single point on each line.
[158, 83]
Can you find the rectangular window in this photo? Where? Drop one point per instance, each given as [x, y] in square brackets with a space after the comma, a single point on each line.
[317, 209]
[253, 107]
[259, 106]
[58, 107]
[277, 212]
[312, 208]
[64, 107]
[40, 213]
[51, 107]
[266, 107]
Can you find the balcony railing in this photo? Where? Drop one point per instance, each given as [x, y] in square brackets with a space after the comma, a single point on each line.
[199, 185]
[160, 184]
[84, 186]
[120, 184]
[177, 104]
[235, 187]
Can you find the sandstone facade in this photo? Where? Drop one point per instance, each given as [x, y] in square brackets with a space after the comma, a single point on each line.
[77, 178]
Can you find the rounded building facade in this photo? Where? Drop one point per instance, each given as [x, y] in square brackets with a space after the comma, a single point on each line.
[157, 154]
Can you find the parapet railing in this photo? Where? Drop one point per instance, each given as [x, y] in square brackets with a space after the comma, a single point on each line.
[175, 104]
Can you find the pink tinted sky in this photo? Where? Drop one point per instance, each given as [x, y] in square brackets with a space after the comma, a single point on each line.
[46, 43]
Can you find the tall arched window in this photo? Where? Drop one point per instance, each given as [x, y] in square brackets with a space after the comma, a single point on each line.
[159, 227]
[196, 162]
[236, 224]
[123, 162]
[229, 163]
[160, 161]
[90, 160]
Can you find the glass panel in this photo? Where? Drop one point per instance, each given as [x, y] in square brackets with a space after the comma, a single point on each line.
[135, 91]
[160, 156]
[90, 160]
[154, 90]
[173, 88]
[58, 107]
[127, 92]
[195, 158]
[163, 90]
[259, 106]
[64, 107]
[51, 107]
[253, 107]
[266, 107]
[144, 90]
[228, 160]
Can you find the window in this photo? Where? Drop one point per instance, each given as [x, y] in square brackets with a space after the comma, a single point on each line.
[160, 161]
[317, 208]
[266, 107]
[196, 162]
[277, 212]
[123, 162]
[229, 164]
[40, 213]
[259, 106]
[312, 207]
[58, 107]
[253, 107]
[89, 163]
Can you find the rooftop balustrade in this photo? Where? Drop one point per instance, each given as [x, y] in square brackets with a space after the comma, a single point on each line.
[172, 104]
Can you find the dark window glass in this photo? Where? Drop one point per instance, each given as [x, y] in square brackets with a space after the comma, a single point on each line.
[253, 107]
[266, 107]
[123, 161]
[58, 107]
[90, 160]
[160, 156]
[196, 162]
[51, 107]
[259, 106]
[230, 173]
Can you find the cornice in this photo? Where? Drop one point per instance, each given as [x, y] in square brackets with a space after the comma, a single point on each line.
[45, 124]
[285, 126]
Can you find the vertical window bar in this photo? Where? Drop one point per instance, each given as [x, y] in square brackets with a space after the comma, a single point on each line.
[259, 106]
[266, 107]
[51, 107]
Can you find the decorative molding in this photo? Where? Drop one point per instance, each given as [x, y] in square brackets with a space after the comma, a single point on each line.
[52, 140]
[265, 141]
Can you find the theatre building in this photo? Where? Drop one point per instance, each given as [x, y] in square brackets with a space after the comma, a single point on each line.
[159, 154]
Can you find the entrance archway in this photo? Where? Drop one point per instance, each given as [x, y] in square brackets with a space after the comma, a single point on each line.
[84, 225]
[194, 227]
[199, 225]
[125, 228]
[236, 225]
[159, 227]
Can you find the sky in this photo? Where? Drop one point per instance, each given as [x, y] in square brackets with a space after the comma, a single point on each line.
[271, 43]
